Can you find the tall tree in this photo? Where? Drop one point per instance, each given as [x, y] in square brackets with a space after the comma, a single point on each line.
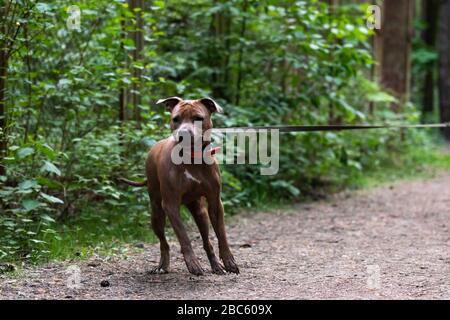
[132, 28]
[218, 54]
[10, 15]
[430, 14]
[332, 8]
[394, 46]
[123, 91]
[137, 35]
[241, 52]
[3, 71]
[444, 65]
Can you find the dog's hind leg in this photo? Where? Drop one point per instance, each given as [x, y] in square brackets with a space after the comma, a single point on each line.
[200, 215]
[215, 212]
[158, 224]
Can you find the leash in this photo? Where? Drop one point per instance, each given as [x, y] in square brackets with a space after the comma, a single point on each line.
[211, 151]
[319, 128]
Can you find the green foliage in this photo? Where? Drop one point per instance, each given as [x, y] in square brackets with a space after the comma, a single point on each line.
[266, 62]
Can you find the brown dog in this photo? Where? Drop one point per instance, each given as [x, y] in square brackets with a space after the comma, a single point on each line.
[171, 185]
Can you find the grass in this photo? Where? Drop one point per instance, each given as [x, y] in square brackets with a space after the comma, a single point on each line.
[94, 232]
[104, 233]
[97, 232]
[414, 164]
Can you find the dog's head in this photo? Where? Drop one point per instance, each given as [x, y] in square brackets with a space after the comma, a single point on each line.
[190, 118]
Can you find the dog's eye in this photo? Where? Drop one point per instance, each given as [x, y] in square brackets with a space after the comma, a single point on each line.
[176, 119]
[198, 118]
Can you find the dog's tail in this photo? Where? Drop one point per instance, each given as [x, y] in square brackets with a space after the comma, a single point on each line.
[133, 183]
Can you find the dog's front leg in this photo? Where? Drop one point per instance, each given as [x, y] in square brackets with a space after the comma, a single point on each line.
[172, 209]
[216, 215]
[201, 219]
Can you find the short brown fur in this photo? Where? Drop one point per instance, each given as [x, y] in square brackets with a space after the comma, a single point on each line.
[170, 186]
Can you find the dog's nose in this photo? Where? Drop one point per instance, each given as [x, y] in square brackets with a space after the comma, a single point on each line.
[184, 134]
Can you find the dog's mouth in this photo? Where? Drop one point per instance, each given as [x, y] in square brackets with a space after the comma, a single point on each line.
[195, 146]
[189, 140]
[207, 149]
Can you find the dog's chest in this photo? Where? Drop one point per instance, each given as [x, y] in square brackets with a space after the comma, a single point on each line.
[191, 178]
[195, 184]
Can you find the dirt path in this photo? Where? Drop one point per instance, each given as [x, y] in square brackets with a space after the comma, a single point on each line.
[388, 242]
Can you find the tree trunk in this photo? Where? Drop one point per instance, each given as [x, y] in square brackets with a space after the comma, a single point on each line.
[444, 65]
[332, 9]
[3, 113]
[123, 92]
[226, 58]
[394, 47]
[430, 14]
[332, 4]
[241, 53]
[218, 53]
[3, 74]
[137, 8]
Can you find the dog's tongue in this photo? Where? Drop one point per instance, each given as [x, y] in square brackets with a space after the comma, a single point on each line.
[214, 150]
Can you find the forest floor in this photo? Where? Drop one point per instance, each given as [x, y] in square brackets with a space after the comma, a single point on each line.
[392, 241]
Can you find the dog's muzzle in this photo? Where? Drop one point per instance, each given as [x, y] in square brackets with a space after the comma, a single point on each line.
[182, 135]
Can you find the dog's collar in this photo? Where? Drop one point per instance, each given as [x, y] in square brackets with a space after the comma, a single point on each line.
[208, 151]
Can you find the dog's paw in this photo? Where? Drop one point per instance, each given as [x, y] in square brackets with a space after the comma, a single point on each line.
[158, 270]
[217, 269]
[230, 265]
[194, 267]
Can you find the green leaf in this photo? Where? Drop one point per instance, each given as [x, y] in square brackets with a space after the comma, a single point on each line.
[49, 183]
[51, 199]
[42, 7]
[126, 80]
[9, 223]
[30, 204]
[25, 152]
[47, 150]
[287, 186]
[381, 97]
[28, 184]
[46, 217]
[64, 82]
[50, 167]
[355, 164]
[149, 142]
[37, 241]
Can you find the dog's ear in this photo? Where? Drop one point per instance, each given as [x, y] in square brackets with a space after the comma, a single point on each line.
[211, 105]
[169, 103]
